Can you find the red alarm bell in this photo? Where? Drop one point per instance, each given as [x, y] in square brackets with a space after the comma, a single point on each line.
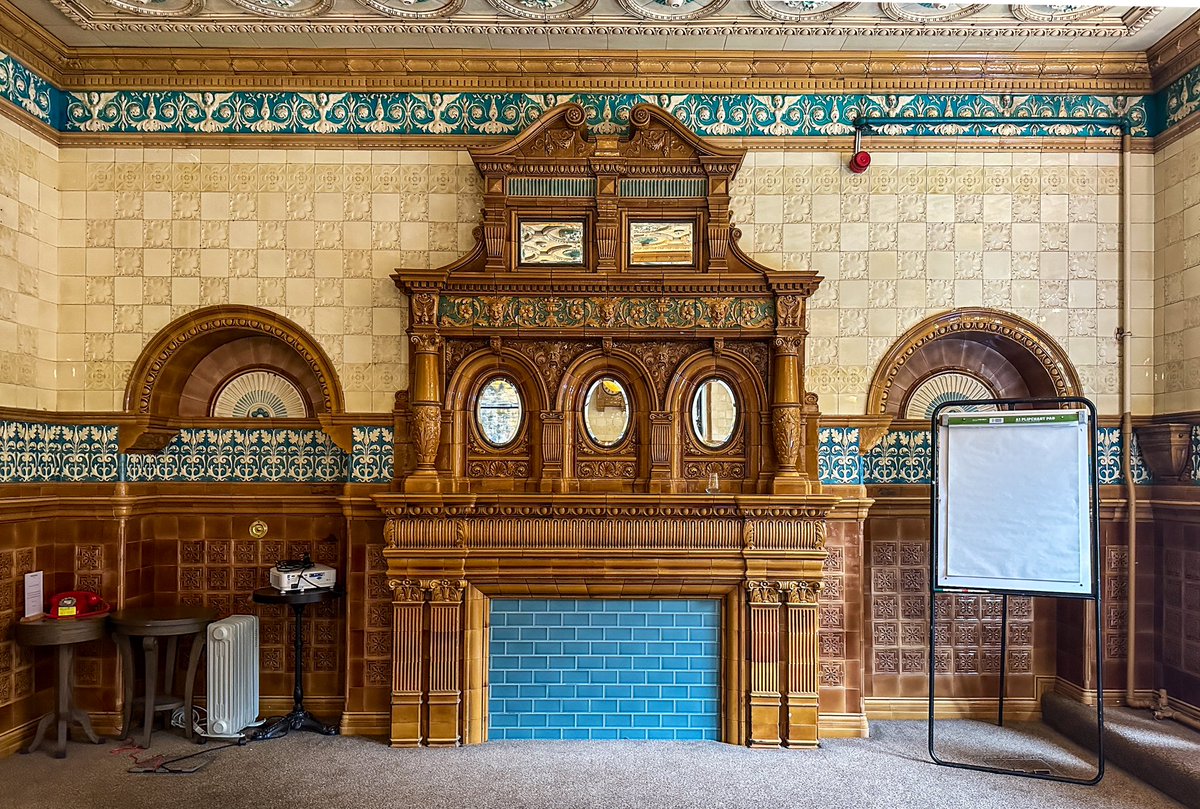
[860, 161]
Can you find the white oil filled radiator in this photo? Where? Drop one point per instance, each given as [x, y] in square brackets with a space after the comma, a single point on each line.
[232, 675]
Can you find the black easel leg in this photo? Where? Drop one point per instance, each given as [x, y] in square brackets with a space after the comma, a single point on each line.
[1003, 655]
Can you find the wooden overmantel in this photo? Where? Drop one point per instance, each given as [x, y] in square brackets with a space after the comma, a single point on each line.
[554, 514]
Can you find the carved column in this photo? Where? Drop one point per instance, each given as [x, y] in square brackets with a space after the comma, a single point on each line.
[607, 165]
[720, 171]
[495, 221]
[662, 427]
[407, 656]
[800, 708]
[552, 452]
[426, 407]
[765, 696]
[787, 416]
[445, 660]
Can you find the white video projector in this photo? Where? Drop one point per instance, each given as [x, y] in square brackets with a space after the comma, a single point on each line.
[291, 579]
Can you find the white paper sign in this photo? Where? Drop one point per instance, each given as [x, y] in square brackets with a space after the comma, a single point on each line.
[33, 594]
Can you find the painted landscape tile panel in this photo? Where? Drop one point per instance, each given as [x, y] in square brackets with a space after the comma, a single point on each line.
[652, 242]
[552, 242]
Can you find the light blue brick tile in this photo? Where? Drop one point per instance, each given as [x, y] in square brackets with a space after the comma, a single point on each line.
[503, 690]
[633, 677]
[547, 706]
[548, 619]
[604, 647]
[710, 649]
[633, 648]
[519, 619]
[711, 706]
[691, 619]
[547, 734]
[577, 677]
[605, 677]
[651, 605]
[689, 677]
[590, 720]
[602, 706]
[499, 718]
[604, 619]
[632, 734]
[576, 706]
[506, 662]
[674, 720]
[519, 733]
[659, 676]
[688, 706]
[615, 662]
[677, 691]
[589, 691]
[561, 720]
[709, 692]
[617, 691]
[659, 706]
[590, 605]
[561, 633]
[712, 619]
[534, 633]
[645, 691]
[618, 720]
[589, 633]
[532, 604]
[688, 649]
[631, 706]
[547, 647]
[619, 633]
[500, 633]
[518, 647]
[576, 647]
[576, 734]
[548, 677]
[518, 705]
[532, 720]
[675, 663]
[661, 648]
[675, 633]
[709, 677]
[702, 720]
[518, 677]
[604, 735]
[648, 633]
[699, 663]
[591, 661]
[560, 692]
[562, 663]
[692, 735]
[631, 619]
[660, 734]
[533, 662]
[533, 692]
[647, 720]
[618, 605]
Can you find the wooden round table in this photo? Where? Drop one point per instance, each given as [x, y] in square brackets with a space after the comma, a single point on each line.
[150, 624]
[299, 718]
[63, 634]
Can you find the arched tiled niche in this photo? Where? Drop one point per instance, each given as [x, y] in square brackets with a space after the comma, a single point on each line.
[989, 350]
[185, 372]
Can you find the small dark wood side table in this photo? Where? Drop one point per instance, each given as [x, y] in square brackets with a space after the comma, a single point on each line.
[150, 624]
[63, 634]
[299, 718]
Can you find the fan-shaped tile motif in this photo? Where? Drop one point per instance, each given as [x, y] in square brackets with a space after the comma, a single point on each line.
[259, 394]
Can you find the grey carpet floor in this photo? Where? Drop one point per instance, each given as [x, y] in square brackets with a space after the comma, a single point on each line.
[303, 770]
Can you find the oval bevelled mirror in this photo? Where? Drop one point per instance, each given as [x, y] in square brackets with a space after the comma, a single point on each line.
[606, 411]
[714, 413]
[498, 411]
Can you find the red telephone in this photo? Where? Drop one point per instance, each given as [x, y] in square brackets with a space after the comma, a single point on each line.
[78, 604]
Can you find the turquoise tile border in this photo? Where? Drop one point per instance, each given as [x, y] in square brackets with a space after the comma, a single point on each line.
[57, 453]
[243, 456]
[30, 92]
[474, 114]
[371, 457]
[604, 669]
[838, 458]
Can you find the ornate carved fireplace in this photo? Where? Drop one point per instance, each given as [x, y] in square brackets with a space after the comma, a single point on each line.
[606, 400]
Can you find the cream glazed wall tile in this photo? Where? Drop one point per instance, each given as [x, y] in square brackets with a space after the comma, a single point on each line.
[1177, 276]
[312, 234]
[29, 212]
[920, 233]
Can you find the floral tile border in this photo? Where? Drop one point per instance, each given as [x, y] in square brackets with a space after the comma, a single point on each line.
[54, 453]
[371, 458]
[243, 456]
[838, 458]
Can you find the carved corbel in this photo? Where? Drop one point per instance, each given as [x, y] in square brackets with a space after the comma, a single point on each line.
[1167, 450]
[763, 592]
[145, 434]
[406, 591]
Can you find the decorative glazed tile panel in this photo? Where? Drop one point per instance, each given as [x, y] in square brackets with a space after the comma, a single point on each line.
[743, 115]
[245, 456]
[51, 453]
[371, 457]
[29, 91]
[604, 669]
[838, 459]
[504, 311]
[1108, 458]
[901, 457]
[1181, 98]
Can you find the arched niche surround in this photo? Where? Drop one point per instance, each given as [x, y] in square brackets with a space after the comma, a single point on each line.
[1012, 356]
[183, 367]
[737, 461]
[473, 463]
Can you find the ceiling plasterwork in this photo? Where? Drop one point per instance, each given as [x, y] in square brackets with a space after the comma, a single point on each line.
[777, 18]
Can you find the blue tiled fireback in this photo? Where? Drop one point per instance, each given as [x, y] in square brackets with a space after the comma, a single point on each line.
[604, 669]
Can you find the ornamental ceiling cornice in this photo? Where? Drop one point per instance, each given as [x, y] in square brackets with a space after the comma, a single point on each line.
[1176, 53]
